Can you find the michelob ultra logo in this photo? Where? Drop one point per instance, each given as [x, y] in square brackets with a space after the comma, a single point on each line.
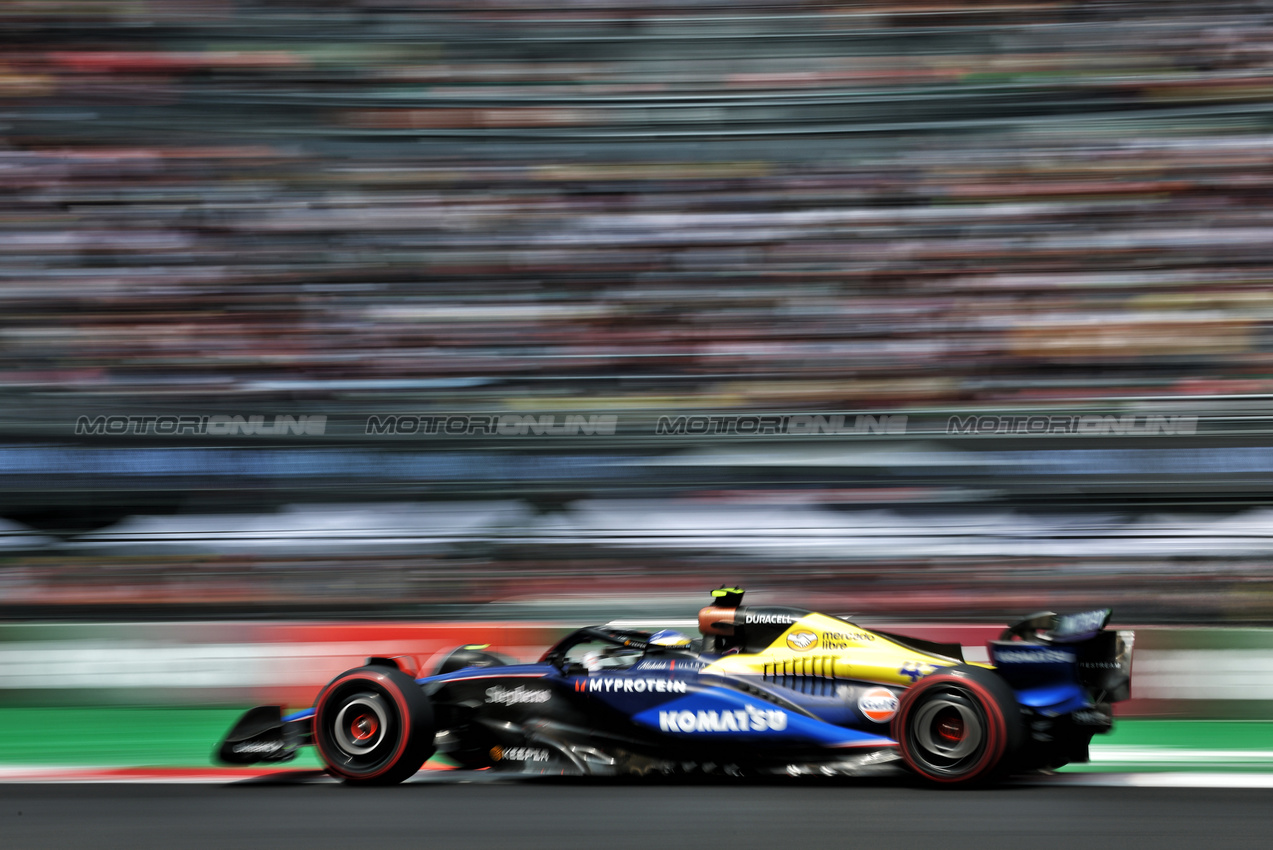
[800, 640]
[878, 704]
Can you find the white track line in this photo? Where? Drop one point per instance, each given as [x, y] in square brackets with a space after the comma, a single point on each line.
[103, 776]
[1133, 757]
[1155, 780]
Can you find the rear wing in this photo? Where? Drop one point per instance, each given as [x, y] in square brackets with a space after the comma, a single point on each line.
[1049, 647]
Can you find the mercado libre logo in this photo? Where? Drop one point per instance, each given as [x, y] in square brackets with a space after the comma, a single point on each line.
[801, 640]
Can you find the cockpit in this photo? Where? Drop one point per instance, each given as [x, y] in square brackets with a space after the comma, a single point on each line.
[598, 648]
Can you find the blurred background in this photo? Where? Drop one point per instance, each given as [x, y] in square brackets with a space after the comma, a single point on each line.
[429, 310]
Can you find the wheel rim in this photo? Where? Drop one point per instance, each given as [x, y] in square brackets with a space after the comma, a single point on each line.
[948, 733]
[361, 724]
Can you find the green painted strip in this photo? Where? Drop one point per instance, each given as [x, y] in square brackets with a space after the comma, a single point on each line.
[117, 736]
[1193, 734]
[1175, 745]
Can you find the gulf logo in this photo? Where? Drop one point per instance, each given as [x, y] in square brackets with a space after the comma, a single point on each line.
[878, 704]
[802, 640]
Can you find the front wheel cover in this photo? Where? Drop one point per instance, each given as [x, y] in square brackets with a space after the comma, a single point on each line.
[373, 725]
[958, 727]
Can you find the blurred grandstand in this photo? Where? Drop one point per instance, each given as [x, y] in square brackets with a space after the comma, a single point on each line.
[643, 210]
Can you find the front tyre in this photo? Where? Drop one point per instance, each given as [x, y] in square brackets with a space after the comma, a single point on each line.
[373, 726]
[959, 726]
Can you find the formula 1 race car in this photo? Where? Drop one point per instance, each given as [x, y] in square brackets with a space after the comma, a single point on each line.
[763, 690]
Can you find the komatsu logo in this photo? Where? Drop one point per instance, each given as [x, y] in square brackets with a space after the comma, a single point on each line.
[632, 685]
[746, 719]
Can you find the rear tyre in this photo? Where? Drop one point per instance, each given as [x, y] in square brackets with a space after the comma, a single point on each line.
[373, 726]
[959, 726]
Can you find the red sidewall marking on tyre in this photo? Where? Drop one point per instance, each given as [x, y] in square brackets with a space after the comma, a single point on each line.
[996, 727]
[403, 712]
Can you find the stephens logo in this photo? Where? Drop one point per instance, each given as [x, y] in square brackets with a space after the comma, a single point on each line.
[802, 640]
[746, 719]
[514, 696]
[878, 704]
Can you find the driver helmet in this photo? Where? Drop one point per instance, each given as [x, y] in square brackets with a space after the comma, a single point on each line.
[668, 638]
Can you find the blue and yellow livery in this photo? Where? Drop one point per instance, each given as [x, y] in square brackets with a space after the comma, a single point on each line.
[760, 689]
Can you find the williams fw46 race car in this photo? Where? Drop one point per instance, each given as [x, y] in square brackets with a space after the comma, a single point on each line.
[763, 690]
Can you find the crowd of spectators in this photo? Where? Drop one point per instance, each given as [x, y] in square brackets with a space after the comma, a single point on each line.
[773, 204]
[634, 204]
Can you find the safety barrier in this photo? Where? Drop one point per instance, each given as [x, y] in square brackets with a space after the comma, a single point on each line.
[1184, 672]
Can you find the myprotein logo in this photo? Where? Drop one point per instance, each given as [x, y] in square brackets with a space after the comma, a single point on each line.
[516, 696]
[212, 425]
[630, 685]
[746, 719]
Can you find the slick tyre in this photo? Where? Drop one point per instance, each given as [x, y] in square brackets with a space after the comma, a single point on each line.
[373, 726]
[959, 726]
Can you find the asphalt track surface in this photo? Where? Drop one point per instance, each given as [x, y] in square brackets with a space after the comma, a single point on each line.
[294, 811]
